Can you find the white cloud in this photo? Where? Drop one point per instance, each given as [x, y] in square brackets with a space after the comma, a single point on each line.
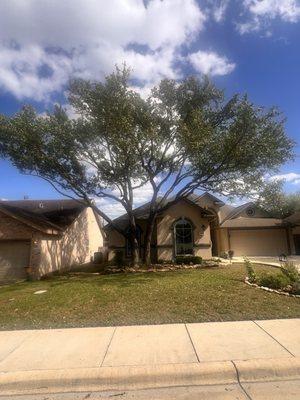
[21, 71]
[262, 12]
[114, 209]
[142, 194]
[43, 43]
[70, 111]
[288, 10]
[290, 177]
[210, 63]
[111, 208]
[219, 10]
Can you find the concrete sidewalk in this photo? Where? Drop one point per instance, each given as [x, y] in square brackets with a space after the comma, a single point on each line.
[150, 357]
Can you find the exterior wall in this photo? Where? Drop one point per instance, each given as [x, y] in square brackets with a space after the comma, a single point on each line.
[162, 241]
[77, 245]
[258, 213]
[116, 241]
[223, 240]
[202, 239]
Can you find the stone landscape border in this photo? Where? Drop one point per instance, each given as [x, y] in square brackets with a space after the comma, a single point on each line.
[269, 289]
[154, 268]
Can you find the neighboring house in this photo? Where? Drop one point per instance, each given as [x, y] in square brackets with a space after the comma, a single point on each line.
[41, 236]
[205, 226]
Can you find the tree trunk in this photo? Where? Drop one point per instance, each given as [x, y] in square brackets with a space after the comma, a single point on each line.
[135, 251]
[148, 239]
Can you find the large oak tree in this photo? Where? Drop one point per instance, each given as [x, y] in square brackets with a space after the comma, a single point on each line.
[183, 138]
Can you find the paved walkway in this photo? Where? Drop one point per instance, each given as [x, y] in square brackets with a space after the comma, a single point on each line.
[269, 260]
[180, 347]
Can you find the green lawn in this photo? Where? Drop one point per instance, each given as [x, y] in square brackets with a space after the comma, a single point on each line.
[215, 294]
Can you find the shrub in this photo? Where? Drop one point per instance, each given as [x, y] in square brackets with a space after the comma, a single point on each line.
[161, 261]
[250, 271]
[295, 288]
[119, 258]
[224, 255]
[230, 254]
[98, 257]
[289, 270]
[188, 260]
[275, 281]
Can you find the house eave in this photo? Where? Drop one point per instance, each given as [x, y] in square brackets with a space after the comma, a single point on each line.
[48, 231]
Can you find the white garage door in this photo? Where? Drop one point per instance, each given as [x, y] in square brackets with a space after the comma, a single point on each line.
[14, 257]
[262, 242]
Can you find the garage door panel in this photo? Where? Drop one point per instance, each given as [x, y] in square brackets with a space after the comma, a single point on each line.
[262, 242]
[14, 257]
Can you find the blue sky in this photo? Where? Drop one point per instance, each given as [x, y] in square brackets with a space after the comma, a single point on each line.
[245, 46]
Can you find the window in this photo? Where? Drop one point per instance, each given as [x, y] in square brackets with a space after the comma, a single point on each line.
[183, 235]
[250, 212]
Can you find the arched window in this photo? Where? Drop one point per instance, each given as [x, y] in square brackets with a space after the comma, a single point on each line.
[183, 237]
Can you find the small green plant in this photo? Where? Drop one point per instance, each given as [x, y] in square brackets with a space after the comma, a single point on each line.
[290, 270]
[274, 281]
[224, 255]
[295, 288]
[188, 260]
[250, 271]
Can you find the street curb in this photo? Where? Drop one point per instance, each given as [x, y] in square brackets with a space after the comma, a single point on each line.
[146, 377]
[268, 369]
[117, 378]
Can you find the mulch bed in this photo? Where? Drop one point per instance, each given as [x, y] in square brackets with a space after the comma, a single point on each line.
[157, 268]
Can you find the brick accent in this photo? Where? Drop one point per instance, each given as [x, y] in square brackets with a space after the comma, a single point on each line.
[11, 228]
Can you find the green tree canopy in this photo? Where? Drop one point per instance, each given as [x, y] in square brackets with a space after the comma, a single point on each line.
[278, 203]
[183, 138]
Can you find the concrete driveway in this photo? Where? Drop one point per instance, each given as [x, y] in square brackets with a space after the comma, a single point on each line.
[269, 260]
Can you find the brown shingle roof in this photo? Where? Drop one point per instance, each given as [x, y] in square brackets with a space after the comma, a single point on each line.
[44, 214]
[142, 211]
[294, 218]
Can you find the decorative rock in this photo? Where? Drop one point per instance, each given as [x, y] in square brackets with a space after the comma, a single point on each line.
[270, 290]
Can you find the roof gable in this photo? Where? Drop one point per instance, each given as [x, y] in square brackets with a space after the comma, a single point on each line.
[50, 216]
[142, 212]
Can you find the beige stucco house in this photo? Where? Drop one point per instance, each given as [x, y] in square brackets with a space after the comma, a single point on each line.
[42, 236]
[205, 226]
